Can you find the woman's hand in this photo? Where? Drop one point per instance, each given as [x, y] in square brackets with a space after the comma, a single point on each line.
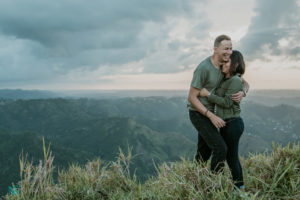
[204, 92]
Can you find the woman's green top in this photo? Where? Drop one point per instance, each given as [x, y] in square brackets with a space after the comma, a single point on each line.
[225, 107]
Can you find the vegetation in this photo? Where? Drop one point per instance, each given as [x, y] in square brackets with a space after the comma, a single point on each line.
[267, 176]
[158, 129]
[30, 143]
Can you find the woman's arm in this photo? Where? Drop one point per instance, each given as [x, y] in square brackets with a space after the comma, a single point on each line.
[226, 101]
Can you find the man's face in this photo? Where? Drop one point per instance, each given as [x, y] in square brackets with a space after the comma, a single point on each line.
[224, 51]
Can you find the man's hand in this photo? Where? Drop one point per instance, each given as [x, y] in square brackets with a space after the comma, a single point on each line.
[237, 97]
[204, 92]
[215, 120]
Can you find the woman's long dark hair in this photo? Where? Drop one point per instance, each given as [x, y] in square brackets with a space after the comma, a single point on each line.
[237, 65]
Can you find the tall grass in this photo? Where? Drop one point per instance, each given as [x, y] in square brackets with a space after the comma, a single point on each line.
[267, 176]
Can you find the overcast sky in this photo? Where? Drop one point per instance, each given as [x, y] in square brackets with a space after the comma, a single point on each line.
[148, 44]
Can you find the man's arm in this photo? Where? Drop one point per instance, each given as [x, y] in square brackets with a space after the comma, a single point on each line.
[193, 99]
[245, 86]
[226, 100]
[237, 97]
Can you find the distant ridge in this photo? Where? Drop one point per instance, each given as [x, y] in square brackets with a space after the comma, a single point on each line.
[25, 94]
[92, 94]
[255, 95]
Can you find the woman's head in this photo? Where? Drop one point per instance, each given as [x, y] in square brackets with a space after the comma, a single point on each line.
[235, 65]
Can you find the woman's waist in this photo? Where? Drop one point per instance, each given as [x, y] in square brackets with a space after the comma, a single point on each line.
[226, 113]
[232, 119]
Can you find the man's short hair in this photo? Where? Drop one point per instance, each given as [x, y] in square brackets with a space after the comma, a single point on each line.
[219, 39]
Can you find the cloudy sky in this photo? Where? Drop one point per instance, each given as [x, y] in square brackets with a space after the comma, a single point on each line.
[143, 44]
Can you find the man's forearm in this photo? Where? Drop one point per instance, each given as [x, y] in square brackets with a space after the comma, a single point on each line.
[216, 121]
[193, 99]
[198, 105]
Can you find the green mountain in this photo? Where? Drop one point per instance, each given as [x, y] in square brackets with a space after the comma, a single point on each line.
[157, 128]
[75, 126]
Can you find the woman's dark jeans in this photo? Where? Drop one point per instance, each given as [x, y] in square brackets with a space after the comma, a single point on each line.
[231, 134]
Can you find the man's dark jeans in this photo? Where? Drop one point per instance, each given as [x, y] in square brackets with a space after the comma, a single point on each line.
[231, 134]
[210, 142]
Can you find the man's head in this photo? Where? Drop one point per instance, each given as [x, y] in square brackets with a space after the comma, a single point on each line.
[223, 48]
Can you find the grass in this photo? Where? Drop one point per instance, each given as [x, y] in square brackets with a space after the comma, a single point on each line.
[267, 176]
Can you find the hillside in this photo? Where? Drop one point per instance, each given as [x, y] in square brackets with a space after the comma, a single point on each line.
[56, 118]
[156, 128]
[272, 176]
[11, 146]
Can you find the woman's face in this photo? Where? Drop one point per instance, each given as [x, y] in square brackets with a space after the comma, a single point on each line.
[226, 67]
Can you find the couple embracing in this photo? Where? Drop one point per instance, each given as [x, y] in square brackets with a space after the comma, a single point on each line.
[214, 108]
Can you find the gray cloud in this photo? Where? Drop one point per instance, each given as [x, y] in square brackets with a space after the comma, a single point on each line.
[77, 25]
[19, 61]
[294, 52]
[295, 67]
[274, 21]
[52, 23]
[46, 41]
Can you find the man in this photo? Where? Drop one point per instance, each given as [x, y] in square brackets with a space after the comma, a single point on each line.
[208, 75]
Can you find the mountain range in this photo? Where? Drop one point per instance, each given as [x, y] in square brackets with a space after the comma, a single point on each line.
[156, 128]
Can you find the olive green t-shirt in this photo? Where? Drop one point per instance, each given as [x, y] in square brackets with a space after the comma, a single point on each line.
[206, 75]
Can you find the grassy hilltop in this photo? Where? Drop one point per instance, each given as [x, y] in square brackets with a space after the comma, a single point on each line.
[267, 176]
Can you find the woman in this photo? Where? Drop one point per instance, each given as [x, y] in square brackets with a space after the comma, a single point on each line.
[229, 111]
